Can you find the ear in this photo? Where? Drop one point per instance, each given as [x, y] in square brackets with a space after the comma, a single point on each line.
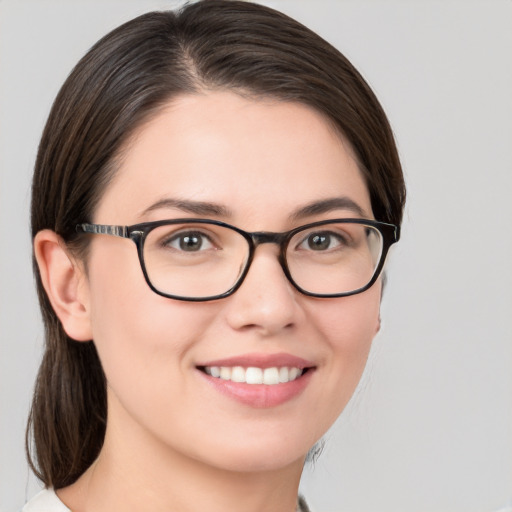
[377, 325]
[65, 284]
[378, 322]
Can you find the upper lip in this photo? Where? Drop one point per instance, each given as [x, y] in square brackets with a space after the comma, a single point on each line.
[261, 361]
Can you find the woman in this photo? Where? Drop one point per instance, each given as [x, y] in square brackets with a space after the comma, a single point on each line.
[213, 200]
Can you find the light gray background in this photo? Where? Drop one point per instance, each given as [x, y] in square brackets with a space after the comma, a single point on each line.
[430, 429]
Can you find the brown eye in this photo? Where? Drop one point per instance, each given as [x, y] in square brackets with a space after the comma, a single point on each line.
[319, 242]
[322, 241]
[189, 241]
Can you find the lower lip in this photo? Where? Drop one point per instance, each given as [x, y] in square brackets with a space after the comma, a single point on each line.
[260, 395]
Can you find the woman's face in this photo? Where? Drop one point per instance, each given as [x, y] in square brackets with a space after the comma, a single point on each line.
[256, 163]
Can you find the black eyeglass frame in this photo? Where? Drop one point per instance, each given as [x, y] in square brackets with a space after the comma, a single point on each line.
[138, 232]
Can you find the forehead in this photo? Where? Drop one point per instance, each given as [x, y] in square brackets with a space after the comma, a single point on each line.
[256, 158]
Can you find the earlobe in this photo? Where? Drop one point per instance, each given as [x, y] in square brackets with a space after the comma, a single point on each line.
[64, 282]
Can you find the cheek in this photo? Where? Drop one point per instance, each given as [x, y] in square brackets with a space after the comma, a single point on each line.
[144, 340]
[348, 326]
[351, 323]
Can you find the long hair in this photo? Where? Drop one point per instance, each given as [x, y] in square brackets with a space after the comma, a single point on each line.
[124, 80]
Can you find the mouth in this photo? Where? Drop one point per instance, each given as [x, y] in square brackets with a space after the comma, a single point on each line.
[254, 375]
[259, 380]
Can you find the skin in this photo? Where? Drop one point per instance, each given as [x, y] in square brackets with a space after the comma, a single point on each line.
[173, 442]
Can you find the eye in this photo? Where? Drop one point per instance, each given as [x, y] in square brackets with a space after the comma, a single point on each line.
[322, 241]
[189, 241]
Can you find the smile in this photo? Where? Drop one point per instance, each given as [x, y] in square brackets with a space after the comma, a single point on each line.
[259, 380]
[254, 375]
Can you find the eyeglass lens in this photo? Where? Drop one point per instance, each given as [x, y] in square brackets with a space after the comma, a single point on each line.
[203, 260]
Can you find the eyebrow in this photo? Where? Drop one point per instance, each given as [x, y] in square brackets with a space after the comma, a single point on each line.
[194, 207]
[328, 205]
[214, 209]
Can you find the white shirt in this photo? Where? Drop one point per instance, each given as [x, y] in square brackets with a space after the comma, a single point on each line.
[47, 501]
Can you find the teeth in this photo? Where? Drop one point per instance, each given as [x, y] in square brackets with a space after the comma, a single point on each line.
[225, 373]
[237, 374]
[253, 375]
[294, 373]
[271, 376]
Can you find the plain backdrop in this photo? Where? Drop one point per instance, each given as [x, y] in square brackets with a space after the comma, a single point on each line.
[430, 428]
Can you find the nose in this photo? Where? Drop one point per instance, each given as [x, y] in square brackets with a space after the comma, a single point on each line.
[266, 301]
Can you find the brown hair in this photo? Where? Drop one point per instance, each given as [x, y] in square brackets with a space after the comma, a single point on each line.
[121, 82]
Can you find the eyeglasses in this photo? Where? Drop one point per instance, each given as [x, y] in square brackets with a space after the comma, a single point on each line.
[204, 259]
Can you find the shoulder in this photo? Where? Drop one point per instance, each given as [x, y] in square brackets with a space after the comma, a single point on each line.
[45, 501]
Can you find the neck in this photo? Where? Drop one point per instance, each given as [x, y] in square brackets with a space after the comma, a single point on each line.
[135, 472]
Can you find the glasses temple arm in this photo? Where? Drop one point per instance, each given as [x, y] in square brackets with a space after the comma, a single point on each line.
[103, 229]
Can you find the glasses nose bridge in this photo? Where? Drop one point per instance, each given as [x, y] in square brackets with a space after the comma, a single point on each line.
[267, 237]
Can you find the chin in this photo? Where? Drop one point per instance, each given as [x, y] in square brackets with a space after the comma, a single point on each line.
[263, 463]
[261, 455]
